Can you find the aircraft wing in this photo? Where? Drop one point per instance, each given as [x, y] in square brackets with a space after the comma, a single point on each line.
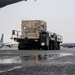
[7, 2]
[68, 45]
[8, 44]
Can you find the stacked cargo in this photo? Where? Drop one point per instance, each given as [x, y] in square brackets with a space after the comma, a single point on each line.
[31, 28]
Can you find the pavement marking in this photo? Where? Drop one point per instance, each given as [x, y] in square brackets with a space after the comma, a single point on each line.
[11, 69]
[65, 54]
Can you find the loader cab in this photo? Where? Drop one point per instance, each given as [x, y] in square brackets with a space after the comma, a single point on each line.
[43, 38]
[43, 34]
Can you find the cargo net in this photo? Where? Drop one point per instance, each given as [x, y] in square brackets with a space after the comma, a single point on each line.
[31, 28]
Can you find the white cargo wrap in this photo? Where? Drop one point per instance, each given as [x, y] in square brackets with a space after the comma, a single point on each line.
[31, 28]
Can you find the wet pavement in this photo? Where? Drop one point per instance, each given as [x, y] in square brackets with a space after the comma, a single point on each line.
[38, 64]
[31, 58]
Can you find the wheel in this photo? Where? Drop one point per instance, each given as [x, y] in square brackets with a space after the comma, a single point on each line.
[50, 46]
[47, 48]
[58, 46]
[55, 45]
[19, 47]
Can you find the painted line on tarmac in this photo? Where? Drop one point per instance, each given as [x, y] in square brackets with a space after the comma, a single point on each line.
[11, 69]
[65, 54]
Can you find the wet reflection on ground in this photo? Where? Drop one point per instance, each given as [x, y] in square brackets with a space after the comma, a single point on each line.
[31, 58]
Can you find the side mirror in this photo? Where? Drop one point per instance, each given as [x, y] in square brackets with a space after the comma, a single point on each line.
[13, 32]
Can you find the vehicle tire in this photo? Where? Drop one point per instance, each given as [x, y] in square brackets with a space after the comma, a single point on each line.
[19, 47]
[46, 48]
[25, 47]
[55, 42]
[58, 46]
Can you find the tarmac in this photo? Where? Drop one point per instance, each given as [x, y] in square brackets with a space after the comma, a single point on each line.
[54, 62]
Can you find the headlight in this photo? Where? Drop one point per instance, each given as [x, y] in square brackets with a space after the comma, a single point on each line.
[42, 43]
[36, 40]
